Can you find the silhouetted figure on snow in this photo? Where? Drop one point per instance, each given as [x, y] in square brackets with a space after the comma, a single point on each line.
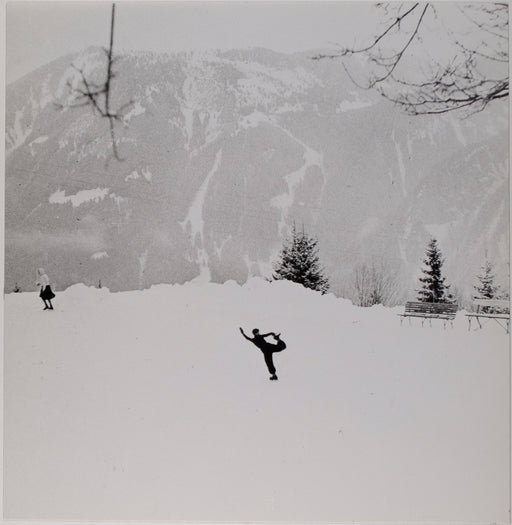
[46, 293]
[268, 349]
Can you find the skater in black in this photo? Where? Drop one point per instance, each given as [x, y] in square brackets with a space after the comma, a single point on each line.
[268, 349]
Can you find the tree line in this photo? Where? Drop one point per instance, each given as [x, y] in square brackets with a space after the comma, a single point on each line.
[373, 283]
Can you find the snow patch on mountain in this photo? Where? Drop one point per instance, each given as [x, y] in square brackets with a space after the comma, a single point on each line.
[254, 119]
[132, 176]
[83, 196]
[347, 105]
[210, 120]
[218, 247]
[289, 108]
[194, 220]
[118, 200]
[188, 130]
[99, 255]
[401, 166]
[136, 110]
[18, 133]
[285, 200]
[147, 174]
[39, 140]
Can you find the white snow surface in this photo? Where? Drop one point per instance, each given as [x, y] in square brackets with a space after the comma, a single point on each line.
[149, 405]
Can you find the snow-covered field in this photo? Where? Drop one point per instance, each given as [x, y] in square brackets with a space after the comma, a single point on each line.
[150, 405]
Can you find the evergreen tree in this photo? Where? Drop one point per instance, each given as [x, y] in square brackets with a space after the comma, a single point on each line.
[487, 289]
[299, 263]
[434, 289]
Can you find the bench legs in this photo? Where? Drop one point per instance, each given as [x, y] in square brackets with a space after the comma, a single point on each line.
[477, 320]
[423, 319]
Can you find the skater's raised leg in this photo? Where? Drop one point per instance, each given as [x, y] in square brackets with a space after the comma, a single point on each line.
[267, 349]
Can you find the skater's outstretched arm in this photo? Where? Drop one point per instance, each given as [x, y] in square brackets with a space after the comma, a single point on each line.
[248, 338]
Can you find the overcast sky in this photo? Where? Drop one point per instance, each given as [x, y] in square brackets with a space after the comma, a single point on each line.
[38, 32]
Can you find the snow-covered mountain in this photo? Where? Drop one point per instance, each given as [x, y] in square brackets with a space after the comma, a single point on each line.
[222, 152]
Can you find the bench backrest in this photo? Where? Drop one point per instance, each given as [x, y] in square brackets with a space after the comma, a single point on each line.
[492, 305]
[496, 303]
[430, 308]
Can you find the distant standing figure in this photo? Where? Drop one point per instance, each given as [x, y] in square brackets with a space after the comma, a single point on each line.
[46, 293]
[268, 349]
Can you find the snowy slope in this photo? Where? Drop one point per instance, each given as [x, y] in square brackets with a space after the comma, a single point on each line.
[150, 405]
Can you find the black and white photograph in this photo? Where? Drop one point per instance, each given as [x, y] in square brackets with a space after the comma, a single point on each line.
[256, 262]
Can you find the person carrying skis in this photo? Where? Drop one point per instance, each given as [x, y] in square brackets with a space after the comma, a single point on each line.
[267, 348]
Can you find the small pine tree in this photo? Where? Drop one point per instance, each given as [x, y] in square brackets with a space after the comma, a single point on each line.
[434, 289]
[16, 289]
[487, 289]
[299, 263]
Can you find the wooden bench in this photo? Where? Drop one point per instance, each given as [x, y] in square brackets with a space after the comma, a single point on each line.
[496, 309]
[444, 311]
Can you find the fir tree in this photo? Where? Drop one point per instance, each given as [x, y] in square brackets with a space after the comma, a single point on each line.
[299, 263]
[434, 289]
[487, 289]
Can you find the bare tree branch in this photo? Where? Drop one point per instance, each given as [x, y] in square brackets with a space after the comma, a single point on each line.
[474, 76]
[98, 96]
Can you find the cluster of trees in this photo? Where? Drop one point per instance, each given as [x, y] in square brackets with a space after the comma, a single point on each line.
[375, 283]
[434, 288]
